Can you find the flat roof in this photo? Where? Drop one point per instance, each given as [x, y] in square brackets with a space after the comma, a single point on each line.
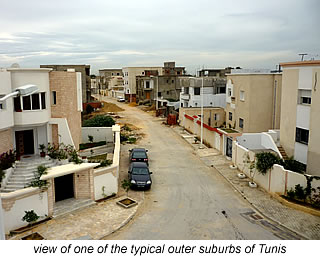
[29, 69]
[301, 63]
[62, 170]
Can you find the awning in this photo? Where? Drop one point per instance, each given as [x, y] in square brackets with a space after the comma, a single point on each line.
[67, 169]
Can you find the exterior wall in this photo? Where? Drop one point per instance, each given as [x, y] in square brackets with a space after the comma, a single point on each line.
[129, 77]
[6, 140]
[98, 133]
[277, 180]
[85, 77]
[16, 203]
[83, 187]
[105, 182]
[65, 85]
[288, 109]
[7, 111]
[260, 106]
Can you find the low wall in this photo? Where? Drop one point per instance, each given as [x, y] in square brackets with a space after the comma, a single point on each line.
[7, 175]
[277, 180]
[98, 133]
[106, 179]
[16, 203]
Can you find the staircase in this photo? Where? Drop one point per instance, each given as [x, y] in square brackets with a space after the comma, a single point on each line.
[24, 171]
[283, 152]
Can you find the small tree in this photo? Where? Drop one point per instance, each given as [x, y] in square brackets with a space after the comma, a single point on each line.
[126, 184]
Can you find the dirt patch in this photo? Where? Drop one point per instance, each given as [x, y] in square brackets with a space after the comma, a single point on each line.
[110, 107]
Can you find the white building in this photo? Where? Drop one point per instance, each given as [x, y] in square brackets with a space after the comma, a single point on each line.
[214, 92]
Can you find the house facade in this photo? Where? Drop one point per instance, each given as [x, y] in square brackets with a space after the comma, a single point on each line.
[85, 77]
[106, 75]
[214, 92]
[53, 114]
[253, 100]
[300, 108]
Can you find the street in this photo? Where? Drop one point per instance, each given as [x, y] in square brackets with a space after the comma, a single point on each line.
[187, 200]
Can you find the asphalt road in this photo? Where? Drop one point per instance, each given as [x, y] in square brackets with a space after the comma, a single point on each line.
[188, 200]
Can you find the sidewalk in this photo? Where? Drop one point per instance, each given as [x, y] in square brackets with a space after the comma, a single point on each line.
[302, 223]
[78, 225]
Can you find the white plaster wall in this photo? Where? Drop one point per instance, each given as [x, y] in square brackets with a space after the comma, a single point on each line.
[250, 141]
[6, 114]
[98, 133]
[268, 143]
[79, 91]
[32, 117]
[278, 179]
[63, 130]
[303, 116]
[209, 100]
[13, 218]
[108, 181]
[8, 173]
[301, 152]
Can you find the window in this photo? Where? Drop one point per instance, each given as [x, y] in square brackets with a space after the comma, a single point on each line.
[168, 92]
[35, 101]
[54, 97]
[159, 94]
[17, 104]
[181, 104]
[304, 97]
[2, 105]
[186, 90]
[43, 100]
[302, 135]
[197, 91]
[230, 116]
[241, 95]
[118, 74]
[240, 122]
[172, 81]
[26, 103]
[216, 117]
[147, 84]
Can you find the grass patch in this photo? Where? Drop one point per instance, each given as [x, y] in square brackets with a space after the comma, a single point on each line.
[91, 145]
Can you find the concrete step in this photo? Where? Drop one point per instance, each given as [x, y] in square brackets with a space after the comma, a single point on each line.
[62, 208]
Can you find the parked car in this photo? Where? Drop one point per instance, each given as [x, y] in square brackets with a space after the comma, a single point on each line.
[138, 155]
[121, 99]
[139, 175]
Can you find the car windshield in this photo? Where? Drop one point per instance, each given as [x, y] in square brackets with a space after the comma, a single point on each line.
[139, 155]
[140, 171]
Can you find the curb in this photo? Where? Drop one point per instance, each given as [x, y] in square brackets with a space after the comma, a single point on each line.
[126, 221]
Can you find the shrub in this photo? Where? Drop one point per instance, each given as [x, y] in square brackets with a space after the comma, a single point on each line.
[7, 159]
[30, 217]
[293, 165]
[89, 109]
[300, 192]
[99, 121]
[265, 161]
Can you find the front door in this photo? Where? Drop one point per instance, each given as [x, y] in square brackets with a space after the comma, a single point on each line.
[229, 147]
[147, 95]
[63, 187]
[24, 142]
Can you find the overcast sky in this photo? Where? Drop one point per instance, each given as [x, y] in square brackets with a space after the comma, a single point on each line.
[195, 34]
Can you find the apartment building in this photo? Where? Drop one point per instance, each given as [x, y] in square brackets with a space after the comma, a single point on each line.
[164, 87]
[214, 92]
[53, 114]
[253, 100]
[300, 110]
[106, 75]
[129, 78]
[85, 77]
[170, 69]
[219, 73]
[116, 88]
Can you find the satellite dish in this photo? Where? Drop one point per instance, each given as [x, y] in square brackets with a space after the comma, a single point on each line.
[15, 65]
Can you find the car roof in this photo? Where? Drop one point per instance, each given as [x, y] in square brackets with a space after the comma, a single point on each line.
[138, 150]
[139, 165]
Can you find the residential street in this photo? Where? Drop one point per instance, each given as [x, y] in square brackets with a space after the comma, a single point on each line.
[188, 200]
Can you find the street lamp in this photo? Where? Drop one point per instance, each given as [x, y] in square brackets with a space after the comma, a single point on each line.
[20, 91]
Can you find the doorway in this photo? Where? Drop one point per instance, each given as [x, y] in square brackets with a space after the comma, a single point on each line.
[64, 187]
[24, 142]
[229, 147]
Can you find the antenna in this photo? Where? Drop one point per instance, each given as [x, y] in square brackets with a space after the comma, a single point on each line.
[302, 55]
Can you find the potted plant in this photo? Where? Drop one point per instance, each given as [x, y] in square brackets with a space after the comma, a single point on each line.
[42, 147]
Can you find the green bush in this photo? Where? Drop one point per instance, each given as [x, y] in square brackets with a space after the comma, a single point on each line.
[89, 109]
[265, 161]
[99, 121]
[293, 165]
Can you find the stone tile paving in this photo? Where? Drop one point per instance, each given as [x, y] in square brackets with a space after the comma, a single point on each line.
[304, 224]
[107, 215]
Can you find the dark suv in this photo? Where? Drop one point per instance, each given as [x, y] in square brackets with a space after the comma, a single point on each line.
[138, 155]
[139, 175]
